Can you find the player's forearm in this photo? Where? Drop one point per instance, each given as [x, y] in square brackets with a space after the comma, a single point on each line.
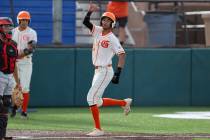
[15, 74]
[121, 60]
[20, 56]
[27, 51]
[87, 22]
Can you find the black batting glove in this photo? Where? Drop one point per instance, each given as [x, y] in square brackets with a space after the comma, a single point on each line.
[28, 51]
[31, 48]
[32, 43]
[116, 77]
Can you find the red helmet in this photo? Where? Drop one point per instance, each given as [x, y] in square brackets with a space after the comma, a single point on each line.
[6, 21]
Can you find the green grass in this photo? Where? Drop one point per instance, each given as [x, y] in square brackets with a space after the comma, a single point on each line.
[201, 139]
[140, 120]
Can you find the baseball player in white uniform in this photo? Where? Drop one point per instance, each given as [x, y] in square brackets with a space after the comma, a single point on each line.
[26, 39]
[105, 46]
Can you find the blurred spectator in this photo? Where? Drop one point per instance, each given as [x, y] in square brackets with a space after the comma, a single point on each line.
[120, 10]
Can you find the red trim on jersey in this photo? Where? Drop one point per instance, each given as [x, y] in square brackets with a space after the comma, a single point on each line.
[96, 56]
[106, 33]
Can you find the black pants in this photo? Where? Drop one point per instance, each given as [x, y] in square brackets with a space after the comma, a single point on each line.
[3, 125]
[5, 102]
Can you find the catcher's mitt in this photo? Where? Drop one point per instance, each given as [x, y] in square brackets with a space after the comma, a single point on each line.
[17, 97]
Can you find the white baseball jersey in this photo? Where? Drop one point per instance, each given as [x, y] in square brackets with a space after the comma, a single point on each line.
[24, 65]
[22, 38]
[104, 47]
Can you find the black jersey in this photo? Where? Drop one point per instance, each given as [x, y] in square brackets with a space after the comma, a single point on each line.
[8, 56]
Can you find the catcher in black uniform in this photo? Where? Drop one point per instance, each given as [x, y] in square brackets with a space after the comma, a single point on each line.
[8, 56]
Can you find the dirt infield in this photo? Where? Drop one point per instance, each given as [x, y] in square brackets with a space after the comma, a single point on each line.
[79, 135]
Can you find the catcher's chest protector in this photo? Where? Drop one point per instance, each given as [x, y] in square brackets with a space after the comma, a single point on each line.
[8, 56]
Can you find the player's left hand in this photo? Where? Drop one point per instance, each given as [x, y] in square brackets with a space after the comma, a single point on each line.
[115, 79]
[32, 44]
[31, 47]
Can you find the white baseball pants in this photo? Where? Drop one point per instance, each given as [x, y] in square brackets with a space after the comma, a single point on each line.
[101, 79]
[25, 72]
[7, 84]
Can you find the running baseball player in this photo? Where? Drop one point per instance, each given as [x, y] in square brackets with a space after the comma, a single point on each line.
[26, 39]
[105, 45]
[8, 56]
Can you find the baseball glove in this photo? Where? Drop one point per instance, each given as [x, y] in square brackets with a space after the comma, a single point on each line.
[17, 97]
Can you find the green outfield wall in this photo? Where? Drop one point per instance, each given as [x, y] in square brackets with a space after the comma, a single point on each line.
[152, 77]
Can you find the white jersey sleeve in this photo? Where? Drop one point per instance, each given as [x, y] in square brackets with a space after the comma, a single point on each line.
[116, 46]
[34, 35]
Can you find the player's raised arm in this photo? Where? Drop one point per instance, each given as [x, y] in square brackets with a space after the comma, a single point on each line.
[86, 22]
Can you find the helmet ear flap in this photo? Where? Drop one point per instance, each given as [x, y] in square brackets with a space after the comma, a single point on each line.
[113, 24]
[18, 21]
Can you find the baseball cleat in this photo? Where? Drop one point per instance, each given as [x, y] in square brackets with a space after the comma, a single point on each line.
[13, 113]
[7, 138]
[96, 132]
[24, 115]
[127, 107]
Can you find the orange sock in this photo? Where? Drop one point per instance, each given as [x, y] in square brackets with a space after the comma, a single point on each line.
[113, 102]
[25, 102]
[95, 112]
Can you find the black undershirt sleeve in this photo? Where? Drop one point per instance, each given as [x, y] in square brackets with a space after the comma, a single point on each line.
[87, 22]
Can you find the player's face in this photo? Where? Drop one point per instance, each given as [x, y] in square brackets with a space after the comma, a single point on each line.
[7, 28]
[106, 23]
[23, 23]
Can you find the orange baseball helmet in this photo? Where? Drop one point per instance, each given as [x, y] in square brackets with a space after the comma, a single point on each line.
[111, 16]
[23, 15]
